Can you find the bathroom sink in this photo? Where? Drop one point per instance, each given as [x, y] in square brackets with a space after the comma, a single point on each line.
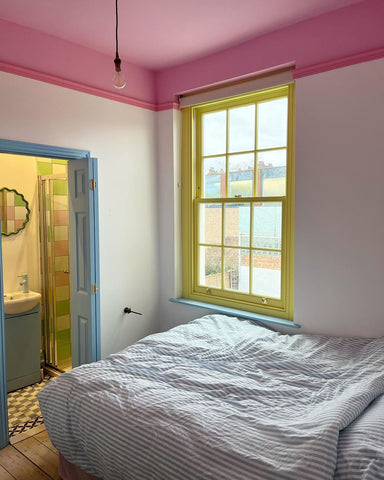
[20, 302]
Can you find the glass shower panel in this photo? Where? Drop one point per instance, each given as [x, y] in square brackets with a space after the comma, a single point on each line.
[54, 235]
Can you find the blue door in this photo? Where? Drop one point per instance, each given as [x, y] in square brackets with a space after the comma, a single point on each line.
[82, 184]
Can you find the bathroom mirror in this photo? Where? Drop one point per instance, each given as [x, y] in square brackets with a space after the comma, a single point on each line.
[14, 211]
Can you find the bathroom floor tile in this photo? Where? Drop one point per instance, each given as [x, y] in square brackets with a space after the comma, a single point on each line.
[23, 407]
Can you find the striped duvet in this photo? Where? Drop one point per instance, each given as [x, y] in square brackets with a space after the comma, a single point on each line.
[224, 399]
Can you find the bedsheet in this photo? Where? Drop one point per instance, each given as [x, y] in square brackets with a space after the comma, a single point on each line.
[217, 398]
[360, 450]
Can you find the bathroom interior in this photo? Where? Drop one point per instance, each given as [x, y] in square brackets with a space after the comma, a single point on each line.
[36, 280]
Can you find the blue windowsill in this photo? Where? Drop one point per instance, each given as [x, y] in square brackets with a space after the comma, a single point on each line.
[236, 312]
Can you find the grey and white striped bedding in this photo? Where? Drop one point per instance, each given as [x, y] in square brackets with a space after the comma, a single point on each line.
[221, 398]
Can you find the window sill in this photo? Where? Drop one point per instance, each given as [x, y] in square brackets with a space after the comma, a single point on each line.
[236, 312]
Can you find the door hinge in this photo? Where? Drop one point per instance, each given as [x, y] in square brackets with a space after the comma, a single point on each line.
[95, 288]
[92, 185]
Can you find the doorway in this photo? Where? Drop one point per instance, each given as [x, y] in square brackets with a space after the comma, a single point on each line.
[85, 317]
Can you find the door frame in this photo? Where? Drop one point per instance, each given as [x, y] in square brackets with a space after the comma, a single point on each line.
[49, 151]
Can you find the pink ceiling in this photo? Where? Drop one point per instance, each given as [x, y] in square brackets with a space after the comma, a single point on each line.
[158, 34]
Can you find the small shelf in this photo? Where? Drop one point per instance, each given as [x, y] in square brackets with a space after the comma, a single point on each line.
[236, 312]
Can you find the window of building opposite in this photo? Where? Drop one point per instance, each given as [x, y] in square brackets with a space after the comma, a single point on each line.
[238, 200]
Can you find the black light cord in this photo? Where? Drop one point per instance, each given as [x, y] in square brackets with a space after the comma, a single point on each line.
[117, 26]
[118, 80]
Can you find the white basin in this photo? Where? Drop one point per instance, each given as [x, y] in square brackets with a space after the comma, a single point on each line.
[20, 302]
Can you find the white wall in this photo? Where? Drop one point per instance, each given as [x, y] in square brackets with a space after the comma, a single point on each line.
[339, 239]
[21, 252]
[339, 227]
[123, 138]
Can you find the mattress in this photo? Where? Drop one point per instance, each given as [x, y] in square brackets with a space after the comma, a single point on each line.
[223, 398]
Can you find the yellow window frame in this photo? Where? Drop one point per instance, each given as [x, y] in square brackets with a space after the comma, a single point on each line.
[191, 188]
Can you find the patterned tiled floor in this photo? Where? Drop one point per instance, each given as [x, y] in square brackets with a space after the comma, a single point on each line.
[23, 407]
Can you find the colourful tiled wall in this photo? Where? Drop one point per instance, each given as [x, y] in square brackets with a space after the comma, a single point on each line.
[58, 237]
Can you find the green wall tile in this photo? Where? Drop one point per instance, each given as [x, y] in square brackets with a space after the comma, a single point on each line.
[63, 323]
[62, 308]
[62, 293]
[44, 168]
[63, 339]
[62, 263]
[60, 187]
[64, 336]
[63, 352]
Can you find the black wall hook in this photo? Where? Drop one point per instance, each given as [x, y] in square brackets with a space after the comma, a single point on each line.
[129, 310]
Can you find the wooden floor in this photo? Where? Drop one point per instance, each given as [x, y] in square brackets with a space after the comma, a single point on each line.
[30, 457]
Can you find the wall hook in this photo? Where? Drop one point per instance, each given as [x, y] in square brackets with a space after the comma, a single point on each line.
[129, 310]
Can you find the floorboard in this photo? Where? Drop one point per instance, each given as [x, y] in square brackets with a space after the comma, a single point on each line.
[45, 440]
[32, 458]
[4, 475]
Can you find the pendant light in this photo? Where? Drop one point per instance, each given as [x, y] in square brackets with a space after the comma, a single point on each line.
[118, 79]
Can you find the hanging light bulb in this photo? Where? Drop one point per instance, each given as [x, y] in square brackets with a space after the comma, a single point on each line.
[118, 80]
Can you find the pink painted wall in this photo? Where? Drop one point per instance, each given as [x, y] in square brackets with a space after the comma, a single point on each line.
[345, 36]
[336, 35]
[26, 49]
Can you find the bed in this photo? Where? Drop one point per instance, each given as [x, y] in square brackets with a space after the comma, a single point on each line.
[226, 399]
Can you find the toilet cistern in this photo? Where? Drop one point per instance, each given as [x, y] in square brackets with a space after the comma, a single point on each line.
[24, 282]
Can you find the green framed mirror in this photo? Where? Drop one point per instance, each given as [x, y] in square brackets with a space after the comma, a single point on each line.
[14, 211]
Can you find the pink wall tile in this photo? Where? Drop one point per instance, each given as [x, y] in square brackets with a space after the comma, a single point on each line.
[60, 217]
[61, 248]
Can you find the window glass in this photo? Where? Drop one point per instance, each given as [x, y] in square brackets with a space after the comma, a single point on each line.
[271, 173]
[237, 224]
[210, 266]
[210, 223]
[214, 133]
[236, 268]
[241, 121]
[240, 175]
[272, 123]
[266, 273]
[214, 177]
[267, 223]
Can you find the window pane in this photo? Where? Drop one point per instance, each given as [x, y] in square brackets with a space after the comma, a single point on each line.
[271, 173]
[214, 133]
[237, 224]
[267, 222]
[210, 266]
[272, 121]
[240, 175]
[266, 273]
[236, 268]
[214, 177]
[241, 128]
[210, 221]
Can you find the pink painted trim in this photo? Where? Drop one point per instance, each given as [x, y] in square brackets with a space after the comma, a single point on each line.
[44, 77]
[339, 63]
[297, 73]
[167, 106]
